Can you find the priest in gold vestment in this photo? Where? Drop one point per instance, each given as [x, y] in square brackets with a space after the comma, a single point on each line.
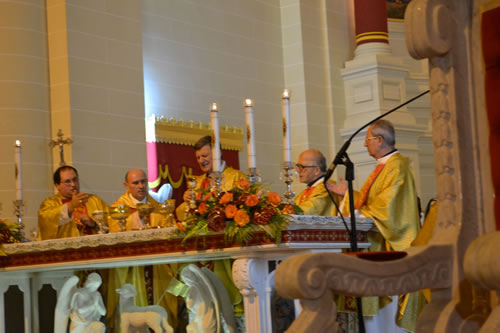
[222, 268]
[136, 185]
[389, 197]
[314, 200]
[67, 214]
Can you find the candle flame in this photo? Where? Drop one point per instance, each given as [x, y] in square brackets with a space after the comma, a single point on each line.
[286, 93]
[214, 107]
[18, 143]
[248, 102]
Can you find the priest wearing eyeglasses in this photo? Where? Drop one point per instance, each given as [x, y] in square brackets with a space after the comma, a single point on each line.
[389, 197]
[314, 200]
[67, 214]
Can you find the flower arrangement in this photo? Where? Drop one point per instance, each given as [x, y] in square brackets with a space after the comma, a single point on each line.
[10, 232]
[240, 212]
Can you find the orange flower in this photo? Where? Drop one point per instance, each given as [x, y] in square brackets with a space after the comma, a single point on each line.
[202, 208]
[241, 218]
[243, 184]
[273, 198]
[207, 196]
[226, 198]
[180, 226]
[252, 200]
[230, 211]
[288, 209]
[198, 195]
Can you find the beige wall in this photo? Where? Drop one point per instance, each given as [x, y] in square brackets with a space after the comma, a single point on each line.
[24, 104]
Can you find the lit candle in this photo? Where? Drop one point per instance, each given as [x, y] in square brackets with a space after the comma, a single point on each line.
[18, 171]
[252, 162]
[287, 139]
[216, 153]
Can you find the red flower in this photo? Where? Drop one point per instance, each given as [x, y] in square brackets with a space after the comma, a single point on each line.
[216, 219]
[202, 208]
[273, 198]
[226, 198]
[264, 215]
[241, 218]
[230, 211]
[252, 200]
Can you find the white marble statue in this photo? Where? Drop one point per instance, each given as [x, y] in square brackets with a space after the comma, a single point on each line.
[207, 300]
[165, 192]
[83, 306]
[140, 318]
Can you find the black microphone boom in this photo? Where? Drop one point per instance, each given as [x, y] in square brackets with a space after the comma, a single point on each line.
[340, 155]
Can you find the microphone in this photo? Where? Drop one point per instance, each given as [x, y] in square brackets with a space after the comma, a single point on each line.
[339, 158]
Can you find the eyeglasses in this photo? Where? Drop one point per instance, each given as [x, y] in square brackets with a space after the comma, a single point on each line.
[371, 138]
[68, 182]
[301, 167]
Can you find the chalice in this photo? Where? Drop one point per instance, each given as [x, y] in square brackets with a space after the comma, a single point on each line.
[120, 213]
[99, 216]
[168, 215]
[145, 210]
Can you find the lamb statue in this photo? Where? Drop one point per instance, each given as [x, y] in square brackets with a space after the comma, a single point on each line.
[141, 318]
[84, 306]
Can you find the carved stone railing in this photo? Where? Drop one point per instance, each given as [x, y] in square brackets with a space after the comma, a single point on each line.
[313, 277]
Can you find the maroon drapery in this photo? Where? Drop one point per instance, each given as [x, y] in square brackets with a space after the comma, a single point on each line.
[490, 40]
[170, 163]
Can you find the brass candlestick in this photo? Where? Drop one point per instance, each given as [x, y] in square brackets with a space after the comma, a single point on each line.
[217, 178]
[253, 176]
[19, 212]
[191, 204]
[287, 173]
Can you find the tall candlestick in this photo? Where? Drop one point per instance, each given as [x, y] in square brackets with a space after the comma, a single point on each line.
[287, 138]
[252, 161]
[216, 153]
[18, 171]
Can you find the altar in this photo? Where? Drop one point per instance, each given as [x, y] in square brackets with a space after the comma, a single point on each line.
[33, 265]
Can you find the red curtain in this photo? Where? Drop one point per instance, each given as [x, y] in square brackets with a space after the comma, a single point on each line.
[170, 163]
[490, 40]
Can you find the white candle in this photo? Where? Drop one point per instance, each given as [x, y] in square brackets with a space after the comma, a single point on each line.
[252, 161]
[18, 170]
[216, 153]
[287, 138]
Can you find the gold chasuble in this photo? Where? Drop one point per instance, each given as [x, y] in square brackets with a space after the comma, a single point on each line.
[222, 268]
[49, 217]
[135, 275]
[391, 201]
[315, 200]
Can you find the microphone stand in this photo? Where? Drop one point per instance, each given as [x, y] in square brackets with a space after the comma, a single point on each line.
[343, 159]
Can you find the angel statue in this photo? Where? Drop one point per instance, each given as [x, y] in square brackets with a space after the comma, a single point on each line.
[208, 301]
[83, 306]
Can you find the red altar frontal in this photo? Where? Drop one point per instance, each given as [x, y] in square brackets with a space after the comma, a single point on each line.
[31, 266]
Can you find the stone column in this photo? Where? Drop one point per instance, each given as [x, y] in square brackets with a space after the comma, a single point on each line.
[375, 81]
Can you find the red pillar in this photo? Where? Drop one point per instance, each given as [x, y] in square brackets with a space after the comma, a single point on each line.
[371, 21]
